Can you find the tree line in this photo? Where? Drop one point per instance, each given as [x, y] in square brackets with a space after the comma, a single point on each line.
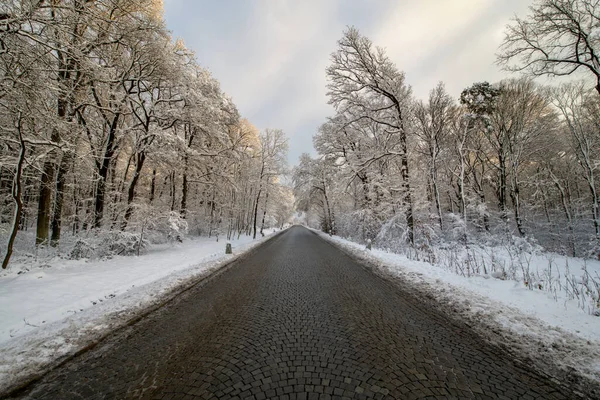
[108, 126]
[505, 160]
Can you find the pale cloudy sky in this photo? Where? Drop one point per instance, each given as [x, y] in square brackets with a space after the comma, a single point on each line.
[270, 55]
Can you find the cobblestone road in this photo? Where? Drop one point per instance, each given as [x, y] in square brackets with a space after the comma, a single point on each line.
[297, 319]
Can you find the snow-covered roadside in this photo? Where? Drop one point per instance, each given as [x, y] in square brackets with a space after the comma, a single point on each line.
[51, 313]
[558, 337]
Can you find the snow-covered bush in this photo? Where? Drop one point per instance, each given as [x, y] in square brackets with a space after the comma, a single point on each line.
[170, 225]
[156, 226]
[120, 243]
[82, 248]
[106, 244]
[393, 234]
[458, 229]
[526, 244]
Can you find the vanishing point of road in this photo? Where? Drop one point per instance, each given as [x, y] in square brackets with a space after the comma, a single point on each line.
[296, 319]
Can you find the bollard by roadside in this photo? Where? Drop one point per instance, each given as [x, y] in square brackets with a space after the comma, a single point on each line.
[228, 248]
[369, 244]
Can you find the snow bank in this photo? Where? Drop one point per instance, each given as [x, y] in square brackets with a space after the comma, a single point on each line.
[52, 311]
[545, 327]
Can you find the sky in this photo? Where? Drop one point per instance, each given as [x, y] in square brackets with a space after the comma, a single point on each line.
[270, 55]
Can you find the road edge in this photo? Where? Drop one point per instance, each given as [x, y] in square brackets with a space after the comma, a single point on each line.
[23, 384]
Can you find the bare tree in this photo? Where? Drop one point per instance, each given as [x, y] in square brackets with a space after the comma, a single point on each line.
[433, 125]
[273, 150]
[520, 123]
[579, 110]
[16, 191]
[558, 38]
[460, 131]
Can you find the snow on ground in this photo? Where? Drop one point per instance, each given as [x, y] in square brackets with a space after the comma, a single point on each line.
[51, 312]
[549, 329]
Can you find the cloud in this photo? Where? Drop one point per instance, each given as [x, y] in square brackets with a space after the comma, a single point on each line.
[414, 30]
[271, 55]
[432, 47]
[271, 61]
[451, 41]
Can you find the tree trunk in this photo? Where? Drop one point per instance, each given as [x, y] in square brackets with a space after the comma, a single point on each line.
[595, 208]
[436, 194]
[61, 180]
[184, 192]
[63, 105]
[262, 224]
[103, 169]
[502, 186]
[24, 224]
[567, 212]
[461, 182]
[139, 164]
[407, 200]
[261, 176]
[478, 188]
[173, 192]
[330, 214]
[44, 203]
[517, 206]
[16, 195]
[66, 67]
[256, 213]
[99, 200]
[212, 212]
[461, 189]
[118, 197]
[45, 199]
[77, 205]
[153, 186]
[184, 184]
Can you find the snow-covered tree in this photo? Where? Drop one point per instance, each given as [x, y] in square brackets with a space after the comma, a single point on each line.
[433, 121]
[581, 115]
[109, 127]
[372, 102]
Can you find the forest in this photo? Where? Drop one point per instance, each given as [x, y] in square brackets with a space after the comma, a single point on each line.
[150, 211]
[509, 162]
[113, 136]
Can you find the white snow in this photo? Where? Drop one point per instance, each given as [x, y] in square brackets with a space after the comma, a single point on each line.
[548, 327]
[51, 312]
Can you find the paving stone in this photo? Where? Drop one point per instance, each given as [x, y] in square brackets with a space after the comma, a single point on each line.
[296, 319]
